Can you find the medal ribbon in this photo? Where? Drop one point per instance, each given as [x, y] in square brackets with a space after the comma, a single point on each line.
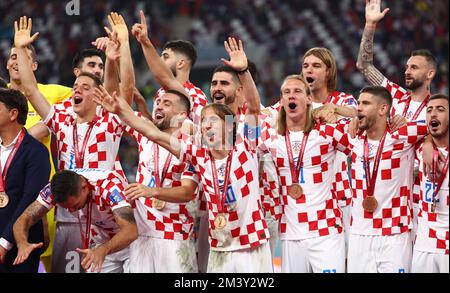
[222, 197]
[79, 154]
[295, 170]
[371, 180]
[9, 160]
[160, 180]
[86, 238]
[417, 113]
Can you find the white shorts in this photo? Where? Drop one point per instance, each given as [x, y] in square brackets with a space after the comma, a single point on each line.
[203, 243]
[379, 254]
[324, 254]
[425, 262]
[256, 260]
[154, 255]
[117, 262]
[64, 257]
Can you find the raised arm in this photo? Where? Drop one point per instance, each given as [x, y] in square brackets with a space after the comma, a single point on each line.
[22, 39]
[159, 69]
[128, 232]
[118, 106]
[32, 214]
[238, 61]
[111, 46]
[126, 70]
[365, 54]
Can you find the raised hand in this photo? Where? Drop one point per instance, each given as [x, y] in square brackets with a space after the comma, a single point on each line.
[100, 43]
[24, 252]
[140, 30]
[93, 259]
[238, 59]
[22, 32]
[110, 103]
[373, 11]
[118, 25]
[112, 51]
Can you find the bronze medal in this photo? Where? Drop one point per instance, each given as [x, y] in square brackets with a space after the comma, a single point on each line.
[158, 204]
[370, 204]
[433, 207]
[295, 191]
[4, 199]
[220, 221]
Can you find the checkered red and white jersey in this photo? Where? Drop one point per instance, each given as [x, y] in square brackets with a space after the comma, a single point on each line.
[432, 234]
[400, 98]
[246, 227]
[198, 100]
[107, 194]
[317, 212]
[341, 183]
[393, 185]
[103, 143]
[174, 220]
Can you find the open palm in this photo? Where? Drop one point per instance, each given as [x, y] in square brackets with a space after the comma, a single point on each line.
[238, 59]
[22, 32]
[373, 11]
[118, 25]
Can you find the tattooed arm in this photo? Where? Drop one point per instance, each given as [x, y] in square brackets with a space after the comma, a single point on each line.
[33, 213]
[365, 54]
[95, 257]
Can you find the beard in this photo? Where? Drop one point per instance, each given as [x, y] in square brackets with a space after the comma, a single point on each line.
[368, 123]
[163, 124]
[415, 84]
[230, 100]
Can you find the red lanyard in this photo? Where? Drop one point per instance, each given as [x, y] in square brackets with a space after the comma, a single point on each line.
[371, 180]
[417, 113]
[295, 171]
[437, 185]
[9, 160]
[86, 238]
[222, 197]
[79, 154]
[160, 180]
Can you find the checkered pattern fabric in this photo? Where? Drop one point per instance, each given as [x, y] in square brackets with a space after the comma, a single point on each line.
[433, 228]
[198, 100]
[103, 143]
[400, 97]
[174, 220]
[393, 185]
[317, 212]
[107, 195]
[246, 225]
[341, 184]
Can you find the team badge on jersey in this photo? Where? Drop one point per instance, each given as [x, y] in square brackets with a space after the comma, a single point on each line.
[115, 197]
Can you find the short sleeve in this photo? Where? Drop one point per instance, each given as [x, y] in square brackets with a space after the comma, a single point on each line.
[46, 198]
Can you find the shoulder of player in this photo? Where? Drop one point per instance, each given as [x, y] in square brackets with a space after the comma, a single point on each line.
[54, 93]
